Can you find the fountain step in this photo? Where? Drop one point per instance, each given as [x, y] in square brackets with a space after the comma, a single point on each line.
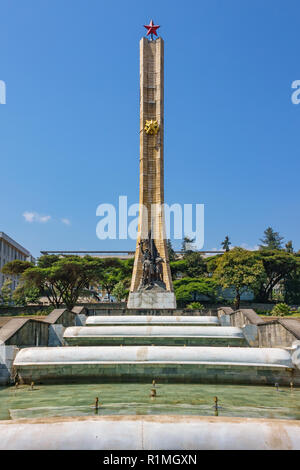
[154, 335]
[165, 363]
[177, 320]
[150, 433]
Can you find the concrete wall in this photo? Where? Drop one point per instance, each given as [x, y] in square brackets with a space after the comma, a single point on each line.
[21, 332]
[56, 335]
[25, 332]
[7, 356]
[239, 319]
[275, 333]
[32, 333]
[61, 317]
[80, 319]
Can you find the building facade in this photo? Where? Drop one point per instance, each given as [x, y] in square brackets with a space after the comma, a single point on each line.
[9, 251]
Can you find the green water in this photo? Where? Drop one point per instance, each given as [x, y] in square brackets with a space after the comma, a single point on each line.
[134, 399]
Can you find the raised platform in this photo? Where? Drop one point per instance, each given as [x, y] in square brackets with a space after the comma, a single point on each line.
[169, 364]
[151, 300]
[154, 335]
[178, 320]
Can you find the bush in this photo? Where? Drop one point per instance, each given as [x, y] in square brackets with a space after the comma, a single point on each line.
[195, 306]
[281, 310]
[266, 313]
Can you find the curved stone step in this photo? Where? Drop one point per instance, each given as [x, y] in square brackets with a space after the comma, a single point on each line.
[154, 335]
[178, 320]
[165, 363]
[150, 433]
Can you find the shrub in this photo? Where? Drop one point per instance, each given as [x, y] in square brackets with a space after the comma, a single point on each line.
[266, 313]
[195, 306]
[281, 310]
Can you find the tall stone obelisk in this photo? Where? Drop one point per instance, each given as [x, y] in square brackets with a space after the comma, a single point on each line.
[151, 285]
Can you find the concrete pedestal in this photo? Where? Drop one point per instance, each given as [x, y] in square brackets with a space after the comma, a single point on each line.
[152, 300]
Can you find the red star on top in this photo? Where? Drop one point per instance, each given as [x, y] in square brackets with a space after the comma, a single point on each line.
[151, 28]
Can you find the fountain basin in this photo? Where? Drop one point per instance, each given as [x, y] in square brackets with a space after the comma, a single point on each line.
[143, 363]
[154, 335]
[150, 432]
[177, 320]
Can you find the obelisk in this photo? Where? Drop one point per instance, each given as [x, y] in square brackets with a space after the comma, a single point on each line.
[151, 285]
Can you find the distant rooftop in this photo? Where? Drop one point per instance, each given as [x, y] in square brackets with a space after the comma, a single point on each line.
[12, 242]
[115, 254]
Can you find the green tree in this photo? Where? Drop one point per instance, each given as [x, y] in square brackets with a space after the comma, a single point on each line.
[109, 281]
[195, 265]
[192, 265]
[46, 261]
[272, 240]
[187, 289]
[62, 280]
[171, 252]
[212, 263]
[186, 246]
[291, 288]
[113, 270]
[16, 267]
[120, 291]
[18, 296]
[226, 243]
[178, 268]
[278, 266]
[239, 269]
[289, 247]
[6, 293]
[23, 296]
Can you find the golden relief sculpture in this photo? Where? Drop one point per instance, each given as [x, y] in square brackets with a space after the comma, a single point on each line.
[151, 127]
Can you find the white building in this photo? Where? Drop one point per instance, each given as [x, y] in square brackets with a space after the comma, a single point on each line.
[9, 251]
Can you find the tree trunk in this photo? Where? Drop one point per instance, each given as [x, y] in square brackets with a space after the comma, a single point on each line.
[237, 301]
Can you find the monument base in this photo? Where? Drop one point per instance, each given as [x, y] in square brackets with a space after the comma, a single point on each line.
[151, 300]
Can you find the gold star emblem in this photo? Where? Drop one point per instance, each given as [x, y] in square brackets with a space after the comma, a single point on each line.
[151, 127]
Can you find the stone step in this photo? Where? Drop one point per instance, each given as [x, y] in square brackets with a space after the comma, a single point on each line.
[154, 335]
[170, 364]
[178, 320]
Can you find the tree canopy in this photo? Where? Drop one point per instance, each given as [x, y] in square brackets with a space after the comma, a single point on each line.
[271, 240]
[226, 243]
[187, 289]
[192, 265]
[63, 279]
[239, 269]
[278, 266]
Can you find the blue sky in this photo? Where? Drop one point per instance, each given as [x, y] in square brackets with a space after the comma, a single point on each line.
[69, 131]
